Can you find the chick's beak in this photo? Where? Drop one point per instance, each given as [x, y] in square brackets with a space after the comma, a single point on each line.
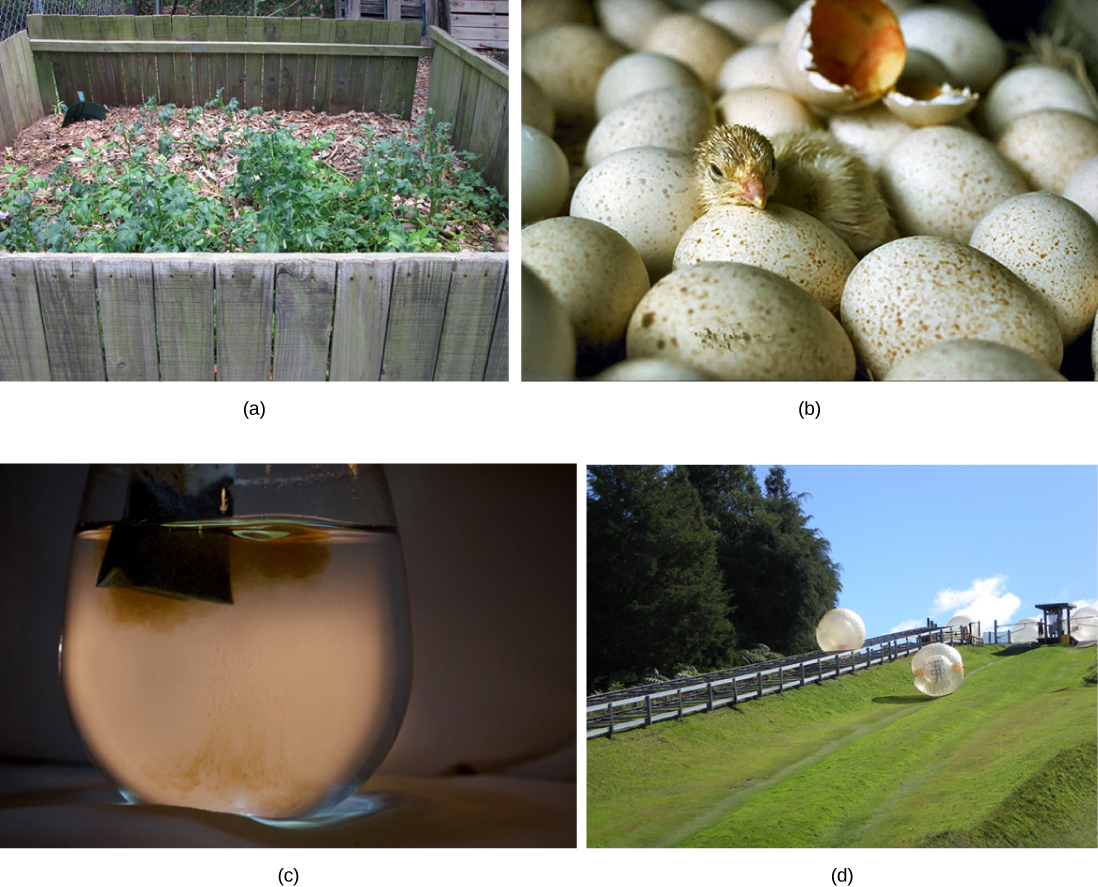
[754, 192]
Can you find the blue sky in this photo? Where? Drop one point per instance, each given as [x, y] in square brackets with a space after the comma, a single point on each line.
[934, 541]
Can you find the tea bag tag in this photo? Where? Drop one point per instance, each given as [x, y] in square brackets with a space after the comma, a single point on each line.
[148, 553]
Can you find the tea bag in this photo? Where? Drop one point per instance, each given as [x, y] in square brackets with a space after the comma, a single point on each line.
[155, 548]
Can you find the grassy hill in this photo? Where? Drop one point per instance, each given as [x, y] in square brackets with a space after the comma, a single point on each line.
[1060, 869]
[1008, 760]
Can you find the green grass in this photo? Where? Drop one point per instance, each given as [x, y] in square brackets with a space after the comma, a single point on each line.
[1060, 869]
[867, 761]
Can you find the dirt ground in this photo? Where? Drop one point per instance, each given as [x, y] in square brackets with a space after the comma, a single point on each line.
[44, 144]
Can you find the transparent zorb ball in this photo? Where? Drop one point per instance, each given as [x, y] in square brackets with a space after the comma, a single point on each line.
[938, 868]
[840, 630]
[938, 670]
[1084, 624]
[1025, 632]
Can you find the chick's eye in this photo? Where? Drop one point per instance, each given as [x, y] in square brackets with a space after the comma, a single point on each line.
[715, 171]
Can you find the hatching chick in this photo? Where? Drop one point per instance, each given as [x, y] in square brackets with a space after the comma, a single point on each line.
[852, 413]
[809, 171]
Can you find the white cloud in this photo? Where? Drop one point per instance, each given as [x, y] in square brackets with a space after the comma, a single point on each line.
[985, 601]
[905, 625]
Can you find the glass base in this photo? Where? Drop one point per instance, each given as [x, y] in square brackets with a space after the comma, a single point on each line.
[354, 807]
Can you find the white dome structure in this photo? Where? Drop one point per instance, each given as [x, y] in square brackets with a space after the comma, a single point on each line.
[840, 629]
[938, 868]
[938, 670]
[1084, 624]
[1025, 631]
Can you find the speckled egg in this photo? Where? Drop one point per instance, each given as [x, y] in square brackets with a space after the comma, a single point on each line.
[770, 111]
[650, 418]
[755, 65]
[947, 413]
[1052, 244]
[925, 455]
[942, 180]
[1048, 146]
[544, 176]
[694, 41]
[567, 61]
[971, 51]
[676, 117]
[739, 322]
[627, 21]
[1040, 431]
[548, 342]
[971, 360]
[915, 291]
[637, 73]
[869, 132]
[648, 195]
[651, 369]
[786, 241]
[1030, 88]
[1082, 187]
[745, 19]
[740, 437]
[575, 444]
[592, 271]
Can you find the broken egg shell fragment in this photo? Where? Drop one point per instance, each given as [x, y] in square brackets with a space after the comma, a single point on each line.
[928, 104]
[842, 54]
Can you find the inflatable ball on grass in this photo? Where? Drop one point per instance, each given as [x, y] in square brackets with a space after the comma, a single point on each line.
[938, 670]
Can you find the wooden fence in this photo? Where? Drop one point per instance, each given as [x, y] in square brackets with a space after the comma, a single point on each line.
[194, 317]
[627, 709]
[469, 91]
[20, 103]
[279, 64]
[479, 23]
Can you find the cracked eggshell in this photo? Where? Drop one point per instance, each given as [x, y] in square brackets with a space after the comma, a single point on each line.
[1048, 146]
[575, 444]
[548, 342]
[971, 51]
[1052, 244]
[677, 117]
[942, 180]
[648, 195]
[699, 44]
[545, 177]
[740, 437]
[947, 413]
[567, 61]
[627, 21]
[841, 54]
[770, 111]
[592, 271]
[651, 369]
[650, 418]
[739, 322]
[786, 241]
[923, 97]
[1039, 431]
[915, 291]
[925, 455]
[637, 73]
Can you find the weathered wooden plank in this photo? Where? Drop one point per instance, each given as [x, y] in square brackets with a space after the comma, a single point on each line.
[322, 96]
[204, 88]
[272, 64]
[444, 86]
[245, 308]
[307, 66]
[365, 88]
[219, 77]
[128, 317]
[471, 308]
[487, 134]
[65, 67]
[146, 62]
[13, 109]
[236, 72]
[90, 79]
[106, 86]
[396, 96]
[462, 132]
[496, 6]
[184, 292]
[184, 78]
[304, 300]
[254, 63]
[129, 70]
[340, 91]
[43, 66]
[245, 47]
[27, 78]
[66, 294]
[363, 288]
[496, 369]
[417, 308]
[289, 66]
[165, 61]
[491, 69]
[23, 353]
